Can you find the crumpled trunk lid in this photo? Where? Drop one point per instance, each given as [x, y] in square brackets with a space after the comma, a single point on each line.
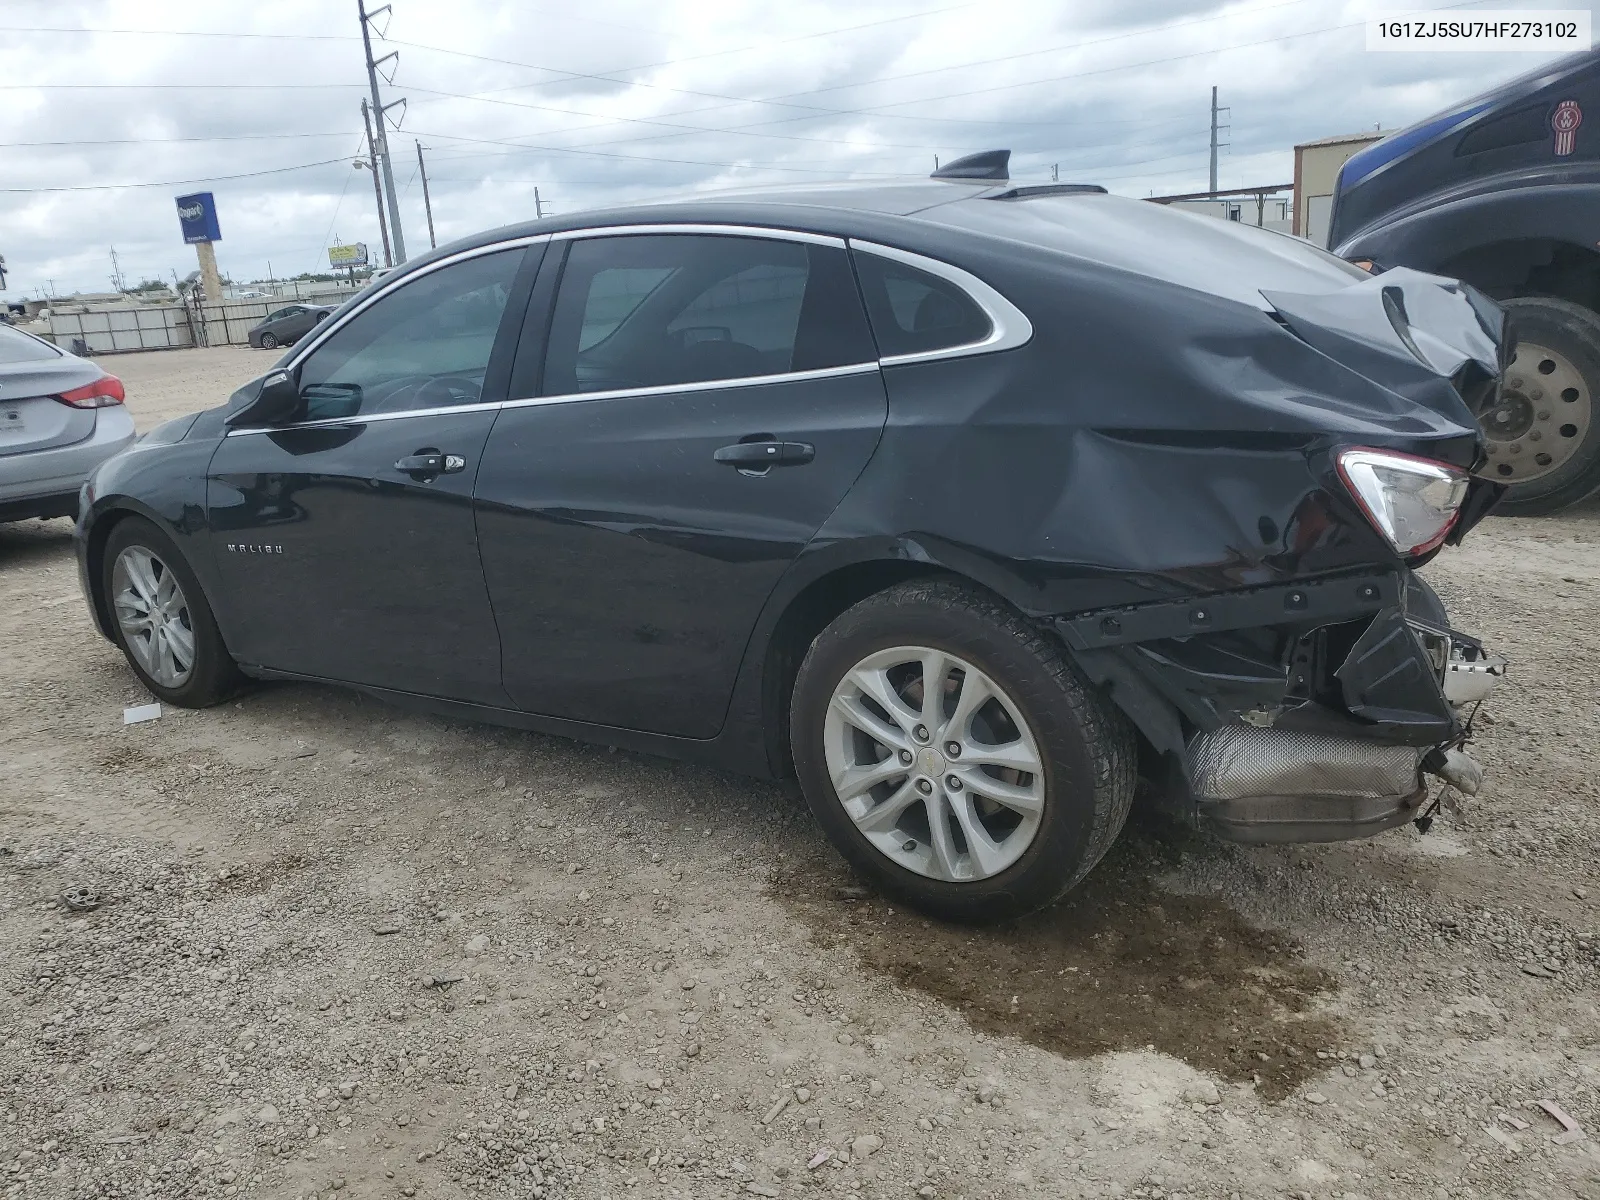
[1438, 342]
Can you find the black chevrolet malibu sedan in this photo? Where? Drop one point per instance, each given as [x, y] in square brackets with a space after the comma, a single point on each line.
[972, 505]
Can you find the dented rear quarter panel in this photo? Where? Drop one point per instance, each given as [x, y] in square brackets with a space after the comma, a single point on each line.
[1150, 442]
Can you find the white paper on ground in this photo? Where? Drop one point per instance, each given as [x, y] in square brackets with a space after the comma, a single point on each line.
[140, 712]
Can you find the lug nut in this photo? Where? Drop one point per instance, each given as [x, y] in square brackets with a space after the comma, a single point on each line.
[925, 786]
[908, 847]
[905, 758]
[953, 782]
[952, 749]
[920, 733]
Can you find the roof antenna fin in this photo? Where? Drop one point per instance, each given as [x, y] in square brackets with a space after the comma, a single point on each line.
[986, 164]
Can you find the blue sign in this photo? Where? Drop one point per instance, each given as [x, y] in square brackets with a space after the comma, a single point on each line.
[198, 216]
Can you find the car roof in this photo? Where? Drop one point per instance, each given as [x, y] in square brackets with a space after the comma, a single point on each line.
[975, 212]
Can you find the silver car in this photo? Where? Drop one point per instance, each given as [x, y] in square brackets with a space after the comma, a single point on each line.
[60, 417]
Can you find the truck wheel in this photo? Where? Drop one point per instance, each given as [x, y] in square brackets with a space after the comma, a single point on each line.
[1543, 437]
[953, 754]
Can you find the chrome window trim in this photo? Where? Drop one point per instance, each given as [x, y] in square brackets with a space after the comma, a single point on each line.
[704, 385]
[730, 230]
[1009, 326]
[358, 419]
[390, 284]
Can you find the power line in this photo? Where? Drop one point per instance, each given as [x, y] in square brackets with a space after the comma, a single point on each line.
[689, 162]
[233, 137]
[785, 100]
[178, 87]
[877, 110]
[611, 76]
[688, 129]
[111, 187]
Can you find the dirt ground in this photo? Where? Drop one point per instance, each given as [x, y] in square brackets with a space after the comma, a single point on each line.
[344, 950]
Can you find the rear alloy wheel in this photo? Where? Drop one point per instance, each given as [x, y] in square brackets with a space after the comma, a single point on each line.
[954, 756]
[951, 785]
[269, 341]
[162, 621]
[1543, 438]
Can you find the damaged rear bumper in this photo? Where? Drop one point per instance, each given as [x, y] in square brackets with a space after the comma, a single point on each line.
[1308, 712]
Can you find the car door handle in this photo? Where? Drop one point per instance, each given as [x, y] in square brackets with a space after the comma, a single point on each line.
[429, 463]
[757, 456]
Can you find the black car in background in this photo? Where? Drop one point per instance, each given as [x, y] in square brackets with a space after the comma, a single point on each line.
[968, 503]
[288, 325]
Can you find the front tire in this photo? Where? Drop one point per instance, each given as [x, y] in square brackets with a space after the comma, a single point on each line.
[1543, 432]
[985, 800]
[269, 341]
[161, 619]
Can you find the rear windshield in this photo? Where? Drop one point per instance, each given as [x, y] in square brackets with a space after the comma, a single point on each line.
[16, 347]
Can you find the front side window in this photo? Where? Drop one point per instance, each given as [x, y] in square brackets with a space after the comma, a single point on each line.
[914, 312]
[424, 345]
[655, 310]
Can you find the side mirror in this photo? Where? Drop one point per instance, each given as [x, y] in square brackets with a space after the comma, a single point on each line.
[277, 401]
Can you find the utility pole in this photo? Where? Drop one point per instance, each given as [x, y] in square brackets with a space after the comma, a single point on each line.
[1055, 172]
[1214, 128]
[117, 281]
[427, 201]
[538, 206]
[381, 146]
[377, 185]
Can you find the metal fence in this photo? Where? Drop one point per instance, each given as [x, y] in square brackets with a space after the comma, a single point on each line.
[169, 326]
[147, 327]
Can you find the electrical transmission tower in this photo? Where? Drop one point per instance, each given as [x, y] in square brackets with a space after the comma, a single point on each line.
[380, 113]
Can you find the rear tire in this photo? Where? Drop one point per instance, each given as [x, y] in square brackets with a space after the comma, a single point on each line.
[1071, 807]
[1537, 419]
[179, 655]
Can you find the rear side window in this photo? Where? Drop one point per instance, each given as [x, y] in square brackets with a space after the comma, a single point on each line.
[657, 310]
[913, 312]
[16, 347]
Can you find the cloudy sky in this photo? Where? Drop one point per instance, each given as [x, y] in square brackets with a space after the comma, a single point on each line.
[110, 108]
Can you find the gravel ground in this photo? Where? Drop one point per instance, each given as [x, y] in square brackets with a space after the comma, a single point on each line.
[343, 950]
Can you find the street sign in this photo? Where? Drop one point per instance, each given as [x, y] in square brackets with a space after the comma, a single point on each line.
[354, 255]
[197, 214]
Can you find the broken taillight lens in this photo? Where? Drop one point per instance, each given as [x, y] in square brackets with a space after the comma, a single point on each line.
[1412, 501]
[102, 393]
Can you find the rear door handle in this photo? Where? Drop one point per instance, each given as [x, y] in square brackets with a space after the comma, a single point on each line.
[429, 463]
[757, 456]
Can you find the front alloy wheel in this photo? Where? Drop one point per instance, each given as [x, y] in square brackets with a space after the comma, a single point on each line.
[153, 614]
[934, 763]
[161, 618]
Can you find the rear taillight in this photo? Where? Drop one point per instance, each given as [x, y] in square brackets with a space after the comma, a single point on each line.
[102, 393]
[1412, 501]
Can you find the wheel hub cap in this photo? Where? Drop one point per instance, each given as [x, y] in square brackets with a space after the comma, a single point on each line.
[153, 616]
[934, 763]
[1540, 417]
